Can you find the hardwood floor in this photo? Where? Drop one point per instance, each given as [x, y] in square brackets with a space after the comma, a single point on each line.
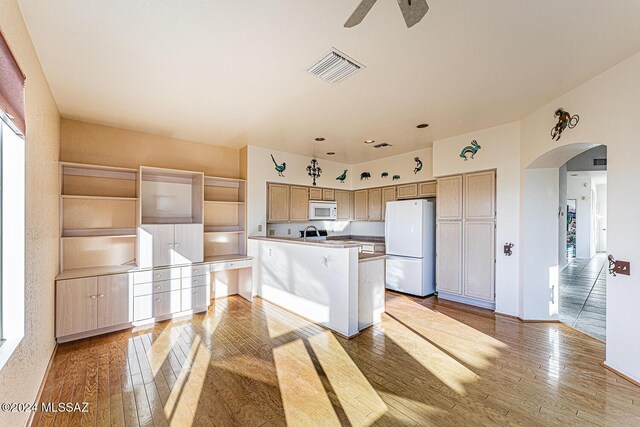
[428, 363]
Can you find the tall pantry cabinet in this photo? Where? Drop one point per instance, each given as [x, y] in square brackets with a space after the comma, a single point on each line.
[466, 218]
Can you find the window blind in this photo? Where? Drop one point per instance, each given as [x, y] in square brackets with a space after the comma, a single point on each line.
[11, 86]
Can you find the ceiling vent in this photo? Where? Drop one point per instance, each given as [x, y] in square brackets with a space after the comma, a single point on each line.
[599, 162]
[382, 145]
[335, 67]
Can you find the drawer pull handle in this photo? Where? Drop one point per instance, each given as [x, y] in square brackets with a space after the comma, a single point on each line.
[177, 244]
[158, 287]
[195, 293]
[157, 299]
[195, 281]
[158, 275]
[92, 297]
[101, 295]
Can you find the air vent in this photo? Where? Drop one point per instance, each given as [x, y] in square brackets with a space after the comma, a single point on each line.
[599, 162]
[382, 145]
[335, 67]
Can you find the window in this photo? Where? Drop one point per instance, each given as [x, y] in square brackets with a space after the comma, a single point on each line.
[12, 203]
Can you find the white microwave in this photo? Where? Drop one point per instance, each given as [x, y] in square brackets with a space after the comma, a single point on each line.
[323, 210]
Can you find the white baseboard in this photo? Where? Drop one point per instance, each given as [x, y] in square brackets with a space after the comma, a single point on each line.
[467, 300]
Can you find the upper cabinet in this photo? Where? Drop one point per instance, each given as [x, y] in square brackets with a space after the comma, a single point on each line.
[299, 204]
[427, 189]
[315, 193]
[278, 197]
[343, 202]
[375, 204]
[407, 191]
[361, 208]
[388, 195]
[480, 195]
[328, 194]
[450, 198]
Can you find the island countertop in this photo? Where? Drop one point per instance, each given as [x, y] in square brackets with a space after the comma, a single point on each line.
[298, 241]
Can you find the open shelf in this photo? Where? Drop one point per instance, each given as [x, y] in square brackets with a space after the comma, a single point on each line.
[85, 197]
[97, 181]
[98, 232]
[223, 229]
[224, 202]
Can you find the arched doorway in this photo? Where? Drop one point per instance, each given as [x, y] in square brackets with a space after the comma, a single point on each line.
[548, 291]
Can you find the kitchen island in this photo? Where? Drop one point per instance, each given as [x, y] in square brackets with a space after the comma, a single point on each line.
[326, 281]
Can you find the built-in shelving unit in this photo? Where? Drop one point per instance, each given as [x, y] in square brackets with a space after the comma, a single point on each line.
[98, 207]
[224, 217]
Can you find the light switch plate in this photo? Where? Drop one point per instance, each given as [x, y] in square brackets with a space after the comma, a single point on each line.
[260, 227]
[623, 267]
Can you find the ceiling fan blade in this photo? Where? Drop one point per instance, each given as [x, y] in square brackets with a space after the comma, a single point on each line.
[413, 11]
[358, 15]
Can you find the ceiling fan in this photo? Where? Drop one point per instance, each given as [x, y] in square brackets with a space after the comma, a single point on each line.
[412, 11]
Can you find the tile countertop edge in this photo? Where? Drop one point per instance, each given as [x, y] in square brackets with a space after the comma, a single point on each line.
[320, 243]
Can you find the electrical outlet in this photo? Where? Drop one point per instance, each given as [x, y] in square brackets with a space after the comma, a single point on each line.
[289, 231]
[260, 227]
[272, 232]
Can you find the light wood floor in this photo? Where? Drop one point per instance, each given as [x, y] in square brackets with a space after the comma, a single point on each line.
[428, 363]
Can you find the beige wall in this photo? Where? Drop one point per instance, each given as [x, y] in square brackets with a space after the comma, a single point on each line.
[88, 143]
[21, 377]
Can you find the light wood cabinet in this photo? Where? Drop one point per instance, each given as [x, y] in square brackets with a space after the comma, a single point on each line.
[479, 195]
[113, 300]
[188, 244]
[299, 210]
[479, 259]
[427, 189]
[388, 195]
[315, 193]
[328, 194]
[278, 209]
[407, 191]
[343, 202]
[449, 199]
[374, 197]
[361, 206]
[76, 306]
[449, 257]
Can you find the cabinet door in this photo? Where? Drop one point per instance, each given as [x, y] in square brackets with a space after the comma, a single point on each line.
[155, 245]
[427, 189]
[449, 257]
[342, 200]
[388, 195]
[449, 200]
[315, 194]
[352, 205]
[76, 306]
[328, 194]
[375, 204]
[195, 298]
[479, 259]
[407, 191]
[361, 209]
[113, 300]
[189, 243]
[299, 204]
[480, 195]
[278, 202]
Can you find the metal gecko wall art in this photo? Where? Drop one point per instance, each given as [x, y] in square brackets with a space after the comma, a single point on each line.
[565, 120]
[470, 149]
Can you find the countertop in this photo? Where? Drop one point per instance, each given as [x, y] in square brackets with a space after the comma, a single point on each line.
[298, 241]
[363, 257]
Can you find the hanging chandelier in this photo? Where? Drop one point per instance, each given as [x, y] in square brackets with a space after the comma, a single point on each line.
[314, 170]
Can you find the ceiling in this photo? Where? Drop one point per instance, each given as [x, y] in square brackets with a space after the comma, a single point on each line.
[233, 73]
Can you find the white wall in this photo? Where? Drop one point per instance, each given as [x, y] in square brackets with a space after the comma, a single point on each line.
[501, 151]
[402, 164]
[579, 188]
[608, 107]
[562, 218]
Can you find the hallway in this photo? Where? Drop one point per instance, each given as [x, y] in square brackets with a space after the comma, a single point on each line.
[583, 295]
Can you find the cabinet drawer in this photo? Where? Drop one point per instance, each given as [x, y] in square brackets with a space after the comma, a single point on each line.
[197, 297]
[195, 270]
[156, 287]
[368, 249]
[195, 281]
[148, 306]
[149, 276]
[221, 266]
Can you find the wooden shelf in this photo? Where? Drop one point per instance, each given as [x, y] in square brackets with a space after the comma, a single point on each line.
[77, 273]
[80, 197]
[223, 229]
[99, 232]
[224, 202]
[224, 258]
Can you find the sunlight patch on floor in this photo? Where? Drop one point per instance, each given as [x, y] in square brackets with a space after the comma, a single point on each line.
[303, 395]
[359, 400]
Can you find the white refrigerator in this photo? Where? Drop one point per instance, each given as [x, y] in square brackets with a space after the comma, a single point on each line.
[410, 239]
